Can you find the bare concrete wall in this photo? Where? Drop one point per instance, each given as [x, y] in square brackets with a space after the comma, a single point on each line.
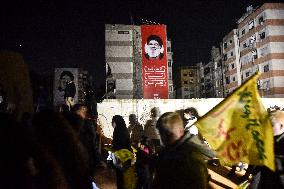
[110, 107]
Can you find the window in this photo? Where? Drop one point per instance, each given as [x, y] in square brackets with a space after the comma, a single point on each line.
[168, 49]
[261, 20]
[252, 40]
[245, 45]
[111, 86]
[185, 82]
[225, 57]
[231, 41]
[263, 51]
[254, 55]
[202, 80]
[251, 24]
[266, 68]
[206, 71]
[185, 75]
[226, 68]
[243, 31]
[247, 74]
[233, 66]
[225, 45]
[123, 32]
[227, 80]
[232, 53]
[169, 63]
[266, 85]
[262, 35]
[234, 79]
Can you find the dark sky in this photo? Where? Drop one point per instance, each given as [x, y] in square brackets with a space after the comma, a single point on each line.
[71, 33]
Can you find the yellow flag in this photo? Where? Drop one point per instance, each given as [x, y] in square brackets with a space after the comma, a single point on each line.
[239, 128]
[124, 155]
[243, 185]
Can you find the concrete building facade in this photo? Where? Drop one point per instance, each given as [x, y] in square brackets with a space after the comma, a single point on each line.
[187, 86]
[170, 69]
[256, 45]
[210, 76]
[119, 53]
[218, 71]
[123, 55]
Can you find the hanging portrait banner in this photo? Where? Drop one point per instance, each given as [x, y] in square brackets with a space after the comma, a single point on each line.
[65, 85]
[154, 62]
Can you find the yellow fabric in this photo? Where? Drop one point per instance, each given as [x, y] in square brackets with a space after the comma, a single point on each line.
[239, 128]
[129, 174]
[244, 185]
[124, 155]
[129, 177]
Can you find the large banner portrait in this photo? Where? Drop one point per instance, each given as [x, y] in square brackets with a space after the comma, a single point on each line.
[65, 88]
[154, 62]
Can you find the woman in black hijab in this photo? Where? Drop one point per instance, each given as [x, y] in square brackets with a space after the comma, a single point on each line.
[121, 137]
[121, 140]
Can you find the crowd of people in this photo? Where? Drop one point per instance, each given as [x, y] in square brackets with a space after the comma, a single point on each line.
[58, 148]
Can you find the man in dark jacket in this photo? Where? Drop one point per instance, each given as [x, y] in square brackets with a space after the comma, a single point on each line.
[180, 164]
[85, 127]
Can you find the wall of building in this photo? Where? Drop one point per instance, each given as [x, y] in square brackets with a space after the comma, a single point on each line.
[110, 107]
[119, 54]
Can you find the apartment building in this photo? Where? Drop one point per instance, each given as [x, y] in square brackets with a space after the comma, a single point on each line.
[187, 86]
[257, 44]
[123, 55]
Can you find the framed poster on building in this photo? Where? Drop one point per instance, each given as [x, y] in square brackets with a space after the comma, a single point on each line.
[65, 85]
[154, 62]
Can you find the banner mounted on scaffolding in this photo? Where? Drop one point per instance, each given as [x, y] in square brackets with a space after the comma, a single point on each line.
[154, 62]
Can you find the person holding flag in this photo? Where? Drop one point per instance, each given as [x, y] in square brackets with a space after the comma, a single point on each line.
[239, 128]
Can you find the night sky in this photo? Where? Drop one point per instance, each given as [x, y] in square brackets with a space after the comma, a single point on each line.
[71, 33]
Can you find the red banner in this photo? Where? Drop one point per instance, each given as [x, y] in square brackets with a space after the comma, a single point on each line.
[154, 62]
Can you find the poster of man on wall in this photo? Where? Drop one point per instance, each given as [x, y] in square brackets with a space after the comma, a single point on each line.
[65, 86]
[154, 62]
[154, 47]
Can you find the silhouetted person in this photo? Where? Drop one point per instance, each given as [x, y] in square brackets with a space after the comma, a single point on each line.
[135, 129]
[150, 130]
[15, 81]
[24, 164]
[55, 135]
[121, 140]
[86, 130]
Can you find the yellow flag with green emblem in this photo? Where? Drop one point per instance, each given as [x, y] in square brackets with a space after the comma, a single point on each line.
[239, 128]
